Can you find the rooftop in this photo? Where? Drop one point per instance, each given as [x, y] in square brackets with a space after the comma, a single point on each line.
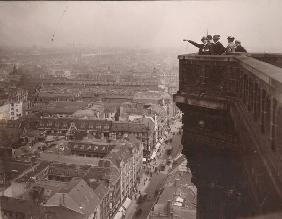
[61, 107]
[69, 159]
[182, 195]
[153, 95]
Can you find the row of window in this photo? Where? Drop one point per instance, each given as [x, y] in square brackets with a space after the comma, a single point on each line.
[261, 105]
[66, 125]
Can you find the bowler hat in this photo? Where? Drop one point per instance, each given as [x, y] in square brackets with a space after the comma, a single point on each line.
[209, 37]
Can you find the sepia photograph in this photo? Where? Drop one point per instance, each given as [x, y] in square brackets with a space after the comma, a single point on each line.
[141, 109]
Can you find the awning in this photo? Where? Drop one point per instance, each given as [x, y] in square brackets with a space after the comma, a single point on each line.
[126, 203]
[118, 215]
[158, 146]
[154, 155]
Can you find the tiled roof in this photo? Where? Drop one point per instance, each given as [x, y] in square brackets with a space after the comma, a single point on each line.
[70, 159]
[64, 107]
[101, 191]
[129, 127]
[76, 196]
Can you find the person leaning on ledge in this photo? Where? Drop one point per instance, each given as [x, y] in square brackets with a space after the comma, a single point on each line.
[208, 48]
[200, 46]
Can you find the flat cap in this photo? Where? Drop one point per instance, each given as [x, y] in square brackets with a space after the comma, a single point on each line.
[216, 37]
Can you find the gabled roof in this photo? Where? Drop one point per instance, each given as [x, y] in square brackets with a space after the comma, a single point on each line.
[76, 196]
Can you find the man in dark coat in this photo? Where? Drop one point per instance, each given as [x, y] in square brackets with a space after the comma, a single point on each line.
[200, 46]
[239, 47]
[218, 48]
[208, 48]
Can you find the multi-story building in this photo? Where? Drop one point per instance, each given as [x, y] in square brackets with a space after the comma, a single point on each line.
[72, 187]
[5, 111]
[51, 199]
[100, 129]
[16, 110]
[128, 158]
[177, 199]
[109, 170]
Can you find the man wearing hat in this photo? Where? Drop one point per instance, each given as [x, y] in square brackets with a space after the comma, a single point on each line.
[218, 48]
[239, 47]
[208, 48]
[200, 46]
[231, 45]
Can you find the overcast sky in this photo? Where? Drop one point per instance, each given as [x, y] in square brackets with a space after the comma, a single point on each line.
[256, 23]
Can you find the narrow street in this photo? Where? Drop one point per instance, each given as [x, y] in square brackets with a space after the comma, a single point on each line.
[150, 185]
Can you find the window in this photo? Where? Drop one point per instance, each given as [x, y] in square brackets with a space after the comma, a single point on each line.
[98, 126]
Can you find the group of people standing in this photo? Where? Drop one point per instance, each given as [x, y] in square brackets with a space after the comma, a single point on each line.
[211, 46]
